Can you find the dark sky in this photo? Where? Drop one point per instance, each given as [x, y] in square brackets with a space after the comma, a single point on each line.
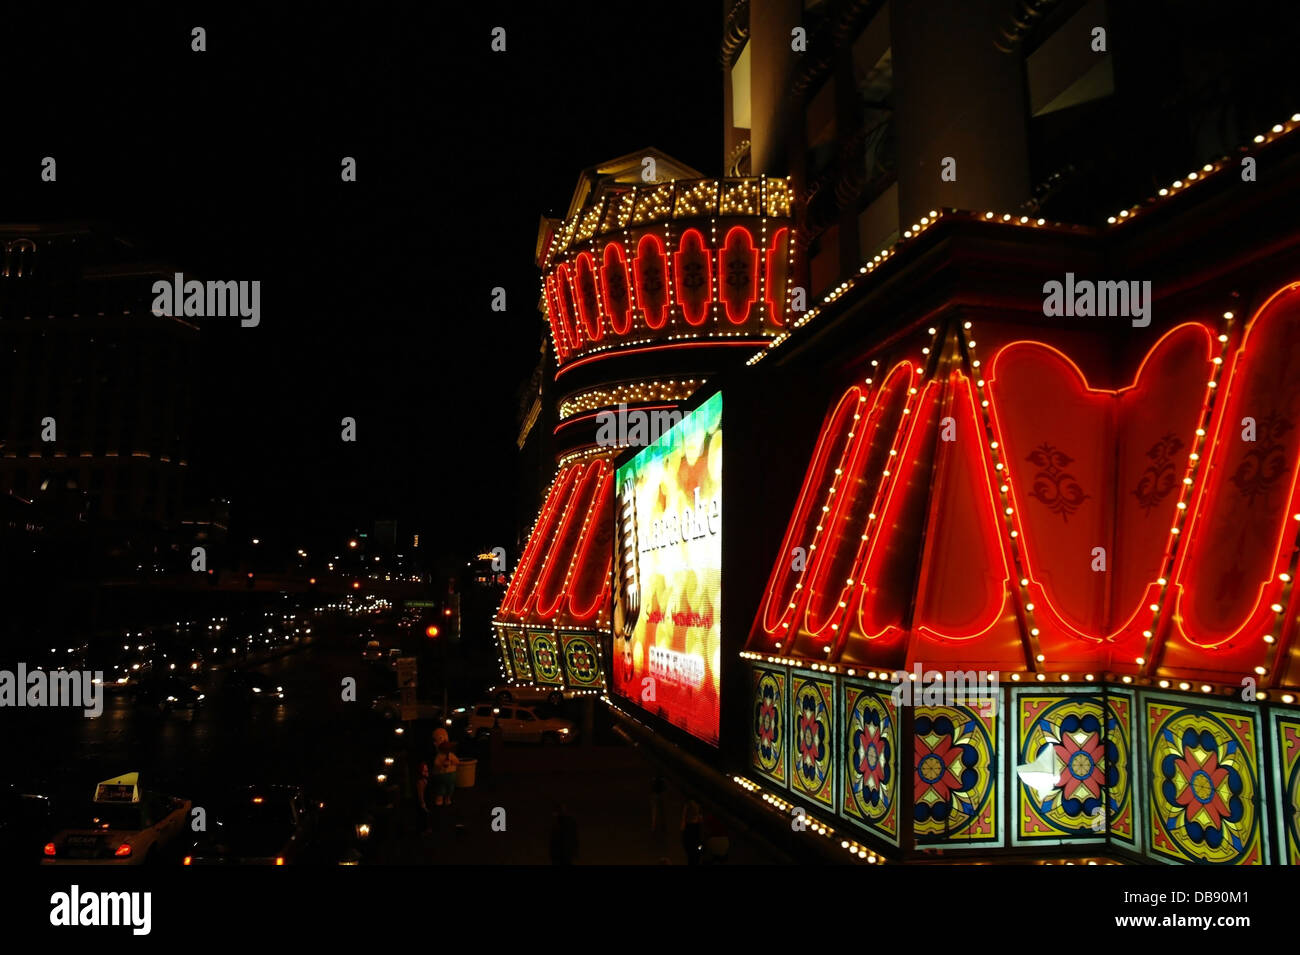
[375, 294]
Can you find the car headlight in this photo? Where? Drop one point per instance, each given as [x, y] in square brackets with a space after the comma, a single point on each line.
[279, 689]
[564, 732]
[257, 689]
[171, 699]
[202, 695]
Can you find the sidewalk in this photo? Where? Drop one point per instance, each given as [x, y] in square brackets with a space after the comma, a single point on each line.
[605, 788]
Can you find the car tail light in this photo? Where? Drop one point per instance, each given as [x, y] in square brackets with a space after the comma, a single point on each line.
[279, 860]
[188, 860]
[50, 850]
[123, 851]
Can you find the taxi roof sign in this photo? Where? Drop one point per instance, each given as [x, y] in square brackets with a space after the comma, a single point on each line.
[125, 788]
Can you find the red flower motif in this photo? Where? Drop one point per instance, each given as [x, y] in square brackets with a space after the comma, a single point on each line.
[932, 767]
[1202, 790]
[1082, 765]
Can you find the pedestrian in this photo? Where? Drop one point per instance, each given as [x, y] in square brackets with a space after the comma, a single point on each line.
[717, 844]
[692, 831]
[422, 799]
[658, 786]
[564, 837]
[444, 768]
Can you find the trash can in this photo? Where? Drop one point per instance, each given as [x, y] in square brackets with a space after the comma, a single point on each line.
[465, 773]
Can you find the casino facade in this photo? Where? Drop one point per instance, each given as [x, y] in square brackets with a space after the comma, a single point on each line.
[1074, 536]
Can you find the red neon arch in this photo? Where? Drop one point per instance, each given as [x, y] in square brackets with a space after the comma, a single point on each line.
[522, 590]
[862, 474]
[1267, 326]
[965, 500]
[694, 290]
[551, 586]
[775, 259]
[877, 554]
[553, 313]
[589, 575]
[1031, 554]
[738, 274]
[564, 296]
[584, 284]
[651, 273]
[616, 288]
[777, 611]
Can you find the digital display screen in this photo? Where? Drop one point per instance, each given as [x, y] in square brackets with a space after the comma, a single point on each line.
[668, 574]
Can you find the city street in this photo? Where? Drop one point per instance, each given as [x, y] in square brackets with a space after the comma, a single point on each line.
[336, 751]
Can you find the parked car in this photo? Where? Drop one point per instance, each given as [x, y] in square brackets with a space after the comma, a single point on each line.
[259, 825]
[25, 824]
[509, 693]
[528, 724]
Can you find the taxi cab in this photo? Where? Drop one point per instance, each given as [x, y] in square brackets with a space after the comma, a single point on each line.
[124, 826]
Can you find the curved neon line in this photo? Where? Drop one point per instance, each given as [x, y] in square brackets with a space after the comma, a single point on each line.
[596, 414]
[813, 480]
[619, 352]
[1053, 612]
[739, 316]
[651, 243]
[607, 267]
[585, 268]
[553, 314]
[854, 457]
[1220, 429]
[863, 563]
[598, 511]
[775, 312]
[697, 242]
[567, 316]
[980, 464]
[561, 557]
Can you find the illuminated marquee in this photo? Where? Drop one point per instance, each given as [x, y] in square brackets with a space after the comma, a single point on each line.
[676, 262]
[1015, 513]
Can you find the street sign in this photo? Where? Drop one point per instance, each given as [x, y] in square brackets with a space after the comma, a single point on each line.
[408, 710]
[420, 603]
[406, 672]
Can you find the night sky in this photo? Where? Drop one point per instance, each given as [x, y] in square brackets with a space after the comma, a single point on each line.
[375, 294]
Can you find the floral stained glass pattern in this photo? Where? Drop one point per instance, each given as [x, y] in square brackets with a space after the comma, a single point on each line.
[1203, 767]
[768, 743]
[811, 738]
[1286, 736]
[1074, 768]
[870, 741]
[955, 763]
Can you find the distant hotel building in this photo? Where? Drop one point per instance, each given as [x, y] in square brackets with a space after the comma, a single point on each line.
[79, 345]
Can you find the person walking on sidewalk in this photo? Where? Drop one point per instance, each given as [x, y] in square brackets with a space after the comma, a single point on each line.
[564, 837]
[717, 844]
[692, 831]
[421, 799]
[658, 786]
